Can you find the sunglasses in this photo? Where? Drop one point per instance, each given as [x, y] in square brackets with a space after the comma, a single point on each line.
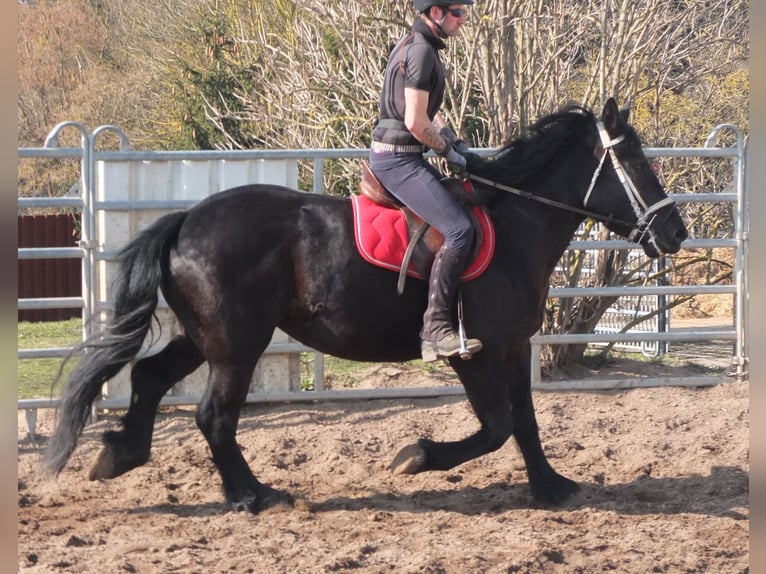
[457, 12]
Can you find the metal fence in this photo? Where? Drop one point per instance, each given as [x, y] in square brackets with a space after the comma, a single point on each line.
[627, 308]
[89, 253]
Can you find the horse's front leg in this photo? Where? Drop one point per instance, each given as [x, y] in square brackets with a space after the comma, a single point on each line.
[485, 383]
[217, 418]
[547, 486]
[501, 398]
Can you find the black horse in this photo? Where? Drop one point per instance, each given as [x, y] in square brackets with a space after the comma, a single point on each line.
[249, 259]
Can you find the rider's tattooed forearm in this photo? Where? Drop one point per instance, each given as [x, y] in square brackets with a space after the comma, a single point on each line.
[433, 139]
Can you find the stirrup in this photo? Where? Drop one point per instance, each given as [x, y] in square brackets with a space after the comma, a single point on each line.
[453, 345]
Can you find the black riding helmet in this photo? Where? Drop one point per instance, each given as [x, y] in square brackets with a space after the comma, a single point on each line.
[424, 5]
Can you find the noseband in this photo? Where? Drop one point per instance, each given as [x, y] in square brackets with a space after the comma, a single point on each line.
[645, 215]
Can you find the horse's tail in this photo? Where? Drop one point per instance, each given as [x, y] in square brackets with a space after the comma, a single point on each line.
[141, 266]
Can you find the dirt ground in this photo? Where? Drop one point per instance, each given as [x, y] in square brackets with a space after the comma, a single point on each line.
[664, 476]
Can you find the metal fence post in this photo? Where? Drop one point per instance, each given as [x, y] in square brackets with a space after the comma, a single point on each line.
[52, 141]
[93, 244]
[740, 256]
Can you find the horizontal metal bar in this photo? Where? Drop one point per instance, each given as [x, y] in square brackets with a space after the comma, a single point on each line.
[50, 353]
[730, 152]
[50, 152]
[270, 397]
[51, 303]
[640, 291]
[704, 197]
[53, 352]
[51, 253]
[675, 335]
[76, 152]
[26, 202]
[622, 244]
[286, 396]
[408, 392]
[233, 155]
[632, 383]
[145, 205]
[49, 403]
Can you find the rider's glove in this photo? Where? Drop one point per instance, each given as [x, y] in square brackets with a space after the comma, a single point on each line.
[461, 147]
[458, 145]
[453, 140]
[456, 162]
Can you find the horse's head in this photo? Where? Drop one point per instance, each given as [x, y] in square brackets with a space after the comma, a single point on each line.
[626, 191]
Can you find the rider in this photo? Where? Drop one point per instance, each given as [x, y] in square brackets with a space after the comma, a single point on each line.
[410, 123]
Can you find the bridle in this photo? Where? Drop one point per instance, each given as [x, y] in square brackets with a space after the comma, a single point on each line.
[645, 214]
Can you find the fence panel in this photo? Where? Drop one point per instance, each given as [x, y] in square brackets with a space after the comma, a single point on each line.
[129, 192]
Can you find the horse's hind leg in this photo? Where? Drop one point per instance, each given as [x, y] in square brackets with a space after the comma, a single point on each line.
[217, 418]
[151, 378]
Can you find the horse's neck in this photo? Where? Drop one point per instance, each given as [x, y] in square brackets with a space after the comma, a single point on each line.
[563, 183]
[537, 234]
[548, 221]
[542, 231]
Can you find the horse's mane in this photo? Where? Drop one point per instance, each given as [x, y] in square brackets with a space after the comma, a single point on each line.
[525, 156]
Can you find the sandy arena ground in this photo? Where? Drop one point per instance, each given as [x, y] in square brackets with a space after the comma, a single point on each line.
[664, 476]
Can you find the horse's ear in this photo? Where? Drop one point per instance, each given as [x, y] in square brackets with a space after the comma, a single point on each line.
[610, 115]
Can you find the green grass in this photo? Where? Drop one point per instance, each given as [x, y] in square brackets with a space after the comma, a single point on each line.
[35, 376]
[339, 373]
[346, 374]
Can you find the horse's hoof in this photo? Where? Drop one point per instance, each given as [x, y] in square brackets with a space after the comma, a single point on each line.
[112, 463]
[266, 498]
[410, 460]
[273, 498]
[556, 492]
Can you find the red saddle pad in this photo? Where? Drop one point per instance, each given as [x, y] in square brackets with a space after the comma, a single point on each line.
[381, 237]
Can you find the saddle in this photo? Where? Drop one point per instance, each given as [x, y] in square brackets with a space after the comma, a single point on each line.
[390, 235]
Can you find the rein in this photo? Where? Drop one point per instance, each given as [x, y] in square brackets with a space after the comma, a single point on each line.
[551, 202]
[643, 223]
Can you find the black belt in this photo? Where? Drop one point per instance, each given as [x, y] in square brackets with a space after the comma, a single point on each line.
[392, 124]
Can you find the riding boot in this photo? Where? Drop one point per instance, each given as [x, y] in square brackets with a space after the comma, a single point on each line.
[438, 337]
